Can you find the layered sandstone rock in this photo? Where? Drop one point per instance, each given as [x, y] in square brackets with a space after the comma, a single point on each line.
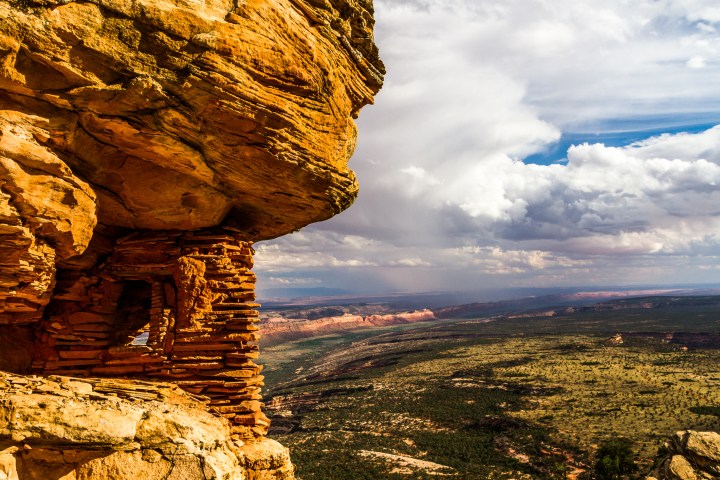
[690, 455]
[168, 306]
[47, 214]
[121, 429]
[159, 114]
[144, 145]
[180, 113]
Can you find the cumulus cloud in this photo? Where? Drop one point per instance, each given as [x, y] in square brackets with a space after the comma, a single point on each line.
[276, 260]
[473, 89]
[665, 188]
[697, 62]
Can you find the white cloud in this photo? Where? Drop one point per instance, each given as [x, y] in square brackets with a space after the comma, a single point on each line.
[475, 87]
[271, 258]
[417, 180]
[499, 261]
[695, 10]
[409, 262]
[285, 281]
[697, 62]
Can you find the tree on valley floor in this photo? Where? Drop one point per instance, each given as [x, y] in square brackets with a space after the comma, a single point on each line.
[558, 471]
[615, 459]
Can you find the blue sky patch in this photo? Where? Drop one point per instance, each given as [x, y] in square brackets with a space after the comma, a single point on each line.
[619, 134]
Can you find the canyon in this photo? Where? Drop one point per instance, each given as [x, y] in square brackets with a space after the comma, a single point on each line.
[144, 146]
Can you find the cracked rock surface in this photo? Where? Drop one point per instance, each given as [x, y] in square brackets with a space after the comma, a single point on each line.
[60, 428]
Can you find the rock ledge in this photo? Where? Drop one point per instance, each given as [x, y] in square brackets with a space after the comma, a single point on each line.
[62, 428]
[690, 455]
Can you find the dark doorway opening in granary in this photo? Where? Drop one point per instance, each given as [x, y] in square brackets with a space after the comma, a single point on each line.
[133, 319]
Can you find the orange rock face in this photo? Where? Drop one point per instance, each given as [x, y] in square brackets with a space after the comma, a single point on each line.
[180, 114]
[144, 145]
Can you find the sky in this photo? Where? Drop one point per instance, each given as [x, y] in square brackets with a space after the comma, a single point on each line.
[527, 143]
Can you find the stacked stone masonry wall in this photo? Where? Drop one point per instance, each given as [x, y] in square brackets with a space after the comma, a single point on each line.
[175, 306]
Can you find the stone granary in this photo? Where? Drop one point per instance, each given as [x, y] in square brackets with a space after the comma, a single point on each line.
[165, 306]
[144, 145]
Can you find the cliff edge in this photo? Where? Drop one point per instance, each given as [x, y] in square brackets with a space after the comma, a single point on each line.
[60, 428]
[123, 115]
[144, 145]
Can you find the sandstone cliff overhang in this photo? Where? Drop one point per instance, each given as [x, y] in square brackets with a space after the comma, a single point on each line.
[184, 114]
[125, 115]
[144, 145]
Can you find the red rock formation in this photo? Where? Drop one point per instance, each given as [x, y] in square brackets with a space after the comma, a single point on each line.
[144, 144]
[277, 329]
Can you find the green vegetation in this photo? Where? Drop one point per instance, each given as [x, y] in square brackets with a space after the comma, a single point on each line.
[623, 393]
[615, 459]
[477, 400]
[706, 410]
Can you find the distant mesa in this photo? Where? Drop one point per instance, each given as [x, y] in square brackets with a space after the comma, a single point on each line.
[323, 321]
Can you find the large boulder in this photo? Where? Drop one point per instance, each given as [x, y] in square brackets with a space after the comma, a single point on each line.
[690, 455]
[63, 428]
